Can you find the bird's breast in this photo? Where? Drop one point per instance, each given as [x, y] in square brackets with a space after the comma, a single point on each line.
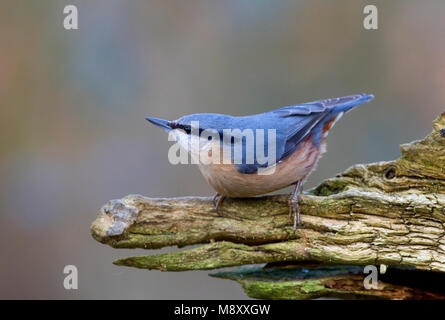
[226, 180]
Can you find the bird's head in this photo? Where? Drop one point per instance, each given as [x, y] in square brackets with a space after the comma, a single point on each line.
[194, 124]
[186, 127]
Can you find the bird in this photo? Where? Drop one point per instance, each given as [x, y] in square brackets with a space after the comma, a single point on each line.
[294, 149]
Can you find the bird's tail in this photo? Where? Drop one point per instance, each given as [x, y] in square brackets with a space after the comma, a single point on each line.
[344, 104]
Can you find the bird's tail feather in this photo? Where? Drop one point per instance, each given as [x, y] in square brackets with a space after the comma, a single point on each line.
[345, 104]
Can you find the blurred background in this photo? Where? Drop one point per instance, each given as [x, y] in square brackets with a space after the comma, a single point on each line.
[72, 128]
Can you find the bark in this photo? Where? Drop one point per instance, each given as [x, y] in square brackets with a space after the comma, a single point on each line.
[335, 282]
[390, 213]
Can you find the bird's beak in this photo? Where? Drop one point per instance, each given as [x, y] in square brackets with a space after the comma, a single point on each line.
[160, 122]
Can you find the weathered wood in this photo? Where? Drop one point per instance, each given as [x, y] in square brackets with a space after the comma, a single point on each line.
[341, 282]
[389, 213]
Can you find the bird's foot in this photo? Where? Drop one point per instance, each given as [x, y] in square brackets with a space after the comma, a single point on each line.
[215, 198]
[294, 211]
[294, 208]
[217, 201]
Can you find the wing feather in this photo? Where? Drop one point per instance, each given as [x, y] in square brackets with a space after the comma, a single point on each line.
[299, 121]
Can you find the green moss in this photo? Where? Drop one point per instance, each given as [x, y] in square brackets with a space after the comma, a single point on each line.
[329, 187]
[284, 290]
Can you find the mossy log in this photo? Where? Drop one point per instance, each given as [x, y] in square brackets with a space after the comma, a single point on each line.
[390, 213]
[343, 282]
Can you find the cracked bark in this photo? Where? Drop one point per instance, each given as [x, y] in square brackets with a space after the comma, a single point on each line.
[389, 213]
[334, 282]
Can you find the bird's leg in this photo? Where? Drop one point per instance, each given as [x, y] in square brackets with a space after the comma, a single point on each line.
[294, 208]
[218, 202]
[215, 197]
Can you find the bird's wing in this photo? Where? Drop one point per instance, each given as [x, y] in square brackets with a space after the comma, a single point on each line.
[301, 130]
[320, 106]
[300, 110]
[298, 121]
[295, 123]
[308, 115]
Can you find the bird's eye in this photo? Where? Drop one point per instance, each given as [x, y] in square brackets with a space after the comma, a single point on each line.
[187, 128]
[184, 127]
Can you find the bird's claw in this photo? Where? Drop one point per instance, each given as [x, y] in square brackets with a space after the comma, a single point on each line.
[214, 199]
[217, 200]
[294, 212]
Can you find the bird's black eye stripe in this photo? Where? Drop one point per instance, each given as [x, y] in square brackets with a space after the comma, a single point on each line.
[185, 127]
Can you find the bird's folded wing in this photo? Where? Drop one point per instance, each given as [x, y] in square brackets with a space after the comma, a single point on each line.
[299, 121]
[308, 115]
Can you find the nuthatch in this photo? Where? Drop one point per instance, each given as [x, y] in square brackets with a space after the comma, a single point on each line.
[299, 139]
